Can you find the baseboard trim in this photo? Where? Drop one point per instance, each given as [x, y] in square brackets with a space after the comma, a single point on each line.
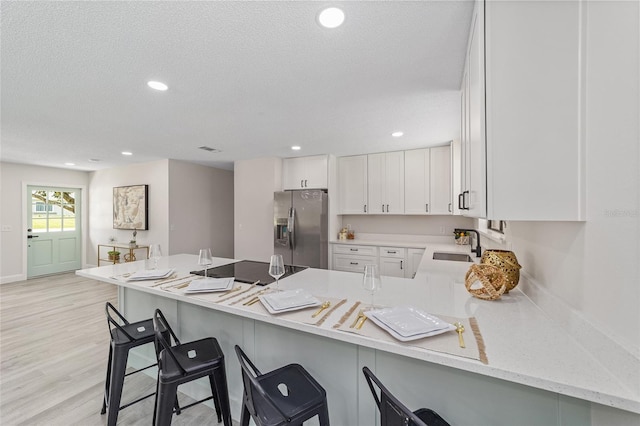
[12, 278]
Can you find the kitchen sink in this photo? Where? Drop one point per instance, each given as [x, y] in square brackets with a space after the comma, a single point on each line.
[457, 257]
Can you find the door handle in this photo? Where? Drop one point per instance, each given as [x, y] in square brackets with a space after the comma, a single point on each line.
[305, 183]
[426, 208]
[401, 264]
[301, 184]
[449, 207]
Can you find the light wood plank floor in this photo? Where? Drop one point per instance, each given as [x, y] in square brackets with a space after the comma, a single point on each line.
[54, 344]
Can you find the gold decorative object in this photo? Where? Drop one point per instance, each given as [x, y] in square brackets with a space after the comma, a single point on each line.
[508, 264]
[491, 279]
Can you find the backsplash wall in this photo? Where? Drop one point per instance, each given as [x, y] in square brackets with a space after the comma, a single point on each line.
[406, 224]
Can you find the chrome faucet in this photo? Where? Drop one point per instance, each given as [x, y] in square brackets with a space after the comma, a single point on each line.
[478, 249]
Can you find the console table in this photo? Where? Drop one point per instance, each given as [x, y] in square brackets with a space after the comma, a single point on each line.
[127, 253]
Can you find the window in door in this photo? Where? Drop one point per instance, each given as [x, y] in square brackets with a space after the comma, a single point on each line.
[53, 211]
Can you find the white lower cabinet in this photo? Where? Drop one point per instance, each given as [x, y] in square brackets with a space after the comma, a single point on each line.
[414, 257]
[393, 261]
[352, 258]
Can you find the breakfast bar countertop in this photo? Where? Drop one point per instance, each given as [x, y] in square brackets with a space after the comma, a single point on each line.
[523, 345]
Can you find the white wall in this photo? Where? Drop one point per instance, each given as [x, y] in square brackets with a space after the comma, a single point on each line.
[101, 184]
[13, 178]
[255, 181]
[200, 209]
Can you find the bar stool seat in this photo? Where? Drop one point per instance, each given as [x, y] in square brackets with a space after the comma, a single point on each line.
[124, 337]
[286, 396]
[395, 413]
[180, 363]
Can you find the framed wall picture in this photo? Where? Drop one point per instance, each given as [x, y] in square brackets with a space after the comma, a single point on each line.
[131, 207]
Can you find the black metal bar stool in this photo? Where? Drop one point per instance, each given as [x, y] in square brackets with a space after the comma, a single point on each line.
[286, 396]
[180, 363]
[123, 338]
[395, 413]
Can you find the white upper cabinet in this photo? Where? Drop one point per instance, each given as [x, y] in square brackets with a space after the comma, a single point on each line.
[385, 176]
[474, 184]
[528, 145]
[352, 184]
[305, 172]
[417, 181]
[427, 181]
[440, 181]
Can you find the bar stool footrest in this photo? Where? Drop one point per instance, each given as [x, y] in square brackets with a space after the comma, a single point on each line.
[192, 404]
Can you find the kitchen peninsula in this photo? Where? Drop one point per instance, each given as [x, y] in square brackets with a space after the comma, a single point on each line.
[533, 369]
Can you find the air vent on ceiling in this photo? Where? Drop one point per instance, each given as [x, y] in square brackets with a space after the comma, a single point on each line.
[208, 148]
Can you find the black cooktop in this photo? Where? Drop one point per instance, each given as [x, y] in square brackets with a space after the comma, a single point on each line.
[248, 271]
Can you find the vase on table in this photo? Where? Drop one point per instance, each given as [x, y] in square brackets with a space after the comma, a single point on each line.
[507, 262]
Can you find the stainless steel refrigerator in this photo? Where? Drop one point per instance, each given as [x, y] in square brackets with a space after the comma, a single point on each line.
[300, 227]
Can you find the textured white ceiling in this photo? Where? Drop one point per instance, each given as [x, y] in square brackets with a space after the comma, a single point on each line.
[250, 78]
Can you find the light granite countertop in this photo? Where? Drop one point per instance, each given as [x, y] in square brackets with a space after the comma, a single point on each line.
[523, 345]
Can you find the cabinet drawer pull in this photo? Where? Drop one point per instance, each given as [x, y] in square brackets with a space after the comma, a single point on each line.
[401, 263]
[449, 207]
[354, 263]
[460, 198]
[365, 208]
[426, 208]
[301, 185]
[387, 208]
[305, 183]
[353, 249]
[391, 252]
[383, 208]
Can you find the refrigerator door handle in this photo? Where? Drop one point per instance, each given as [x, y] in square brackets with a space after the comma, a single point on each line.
[292, 227]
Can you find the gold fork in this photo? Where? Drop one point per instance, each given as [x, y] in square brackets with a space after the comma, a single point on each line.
[460, 330]
[324, 306]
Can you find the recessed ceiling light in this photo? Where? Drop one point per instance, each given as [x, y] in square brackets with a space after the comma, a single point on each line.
[331, 17]
[69, 164]
[295, 148]
[397, 134]
[127, 153]
[157, 85]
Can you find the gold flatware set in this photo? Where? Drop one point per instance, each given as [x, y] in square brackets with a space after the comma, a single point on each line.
[359, 321]
[255, 298]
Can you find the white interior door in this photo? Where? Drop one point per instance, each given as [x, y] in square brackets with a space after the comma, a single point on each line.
[53, 230]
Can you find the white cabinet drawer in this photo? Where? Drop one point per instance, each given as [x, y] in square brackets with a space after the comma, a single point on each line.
[392, 252]
[352, 263]
[359, 250]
